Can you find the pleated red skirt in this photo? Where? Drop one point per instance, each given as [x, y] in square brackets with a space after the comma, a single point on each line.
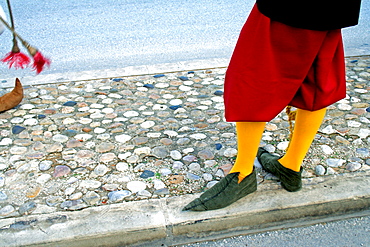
[275, 65]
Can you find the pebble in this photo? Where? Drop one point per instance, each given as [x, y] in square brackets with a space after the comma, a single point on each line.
[7, 211]
[27, 208]
[110, 187]
[45, 165]
[283, 145]
[177, 165]
[119, 195]
[206, 154]
[90, 184]
[165, 171]
[189, 159]
[328, 130]
[91, 198]
[207, 177]
[176, 155]
[147, 174]
[60, 138]
[344, 107]
[142, 151]
[61, 170]
[342, 140]
[319, 170]
[6, 142]
[17, 129]
[100, 170]
[158, 184]
[176, 179]
[53, 201]
[363, 152]
[353, 166]
[151, 86]
[104, 147]
[218, 93]
[363, 133]
[162, 192]
[107, 158]
[70, 103]
[73, 205]
[136, 186]
[326, 149]
[194, 167]
[183, 78]
[230, 152]
[192, 176]
[335, 162]
[330, 171]
[144, 194]
[198, 136]
[122, 167]
[31, 121]
[132, 159]
[160, 152]
[123, 138]
[43, 178]
[3, 196]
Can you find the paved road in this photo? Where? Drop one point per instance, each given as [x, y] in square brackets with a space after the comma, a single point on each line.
[346, 233]
[83, 35]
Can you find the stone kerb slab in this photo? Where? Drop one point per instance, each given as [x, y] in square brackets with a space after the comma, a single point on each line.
[113, 73]
[161, 221]
[114, 225]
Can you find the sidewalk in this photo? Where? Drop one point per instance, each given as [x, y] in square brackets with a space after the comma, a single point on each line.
[111, 162]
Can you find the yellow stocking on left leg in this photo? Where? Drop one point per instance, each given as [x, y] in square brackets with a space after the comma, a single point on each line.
[249, 136]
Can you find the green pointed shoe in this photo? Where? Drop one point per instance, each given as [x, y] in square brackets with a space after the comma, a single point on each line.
[224, 193]
[290, 180]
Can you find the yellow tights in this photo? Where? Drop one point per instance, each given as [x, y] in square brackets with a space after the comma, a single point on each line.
[306, 125]
[249, 136]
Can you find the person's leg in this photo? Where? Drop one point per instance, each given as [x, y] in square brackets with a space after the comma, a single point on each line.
[306, 126]
[249, 136]
[288, 168]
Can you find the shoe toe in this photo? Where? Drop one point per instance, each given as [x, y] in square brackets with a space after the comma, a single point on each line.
[195, 205]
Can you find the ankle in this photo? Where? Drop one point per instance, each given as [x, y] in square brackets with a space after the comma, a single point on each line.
[241, 176]
[294, 166]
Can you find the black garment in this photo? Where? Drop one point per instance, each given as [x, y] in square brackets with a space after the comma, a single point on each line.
[312, 14]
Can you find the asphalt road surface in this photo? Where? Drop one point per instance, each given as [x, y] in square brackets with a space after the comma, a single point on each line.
[345, 233]
[85, 35]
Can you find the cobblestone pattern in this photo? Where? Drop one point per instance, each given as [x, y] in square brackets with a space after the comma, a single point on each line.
[89, 143]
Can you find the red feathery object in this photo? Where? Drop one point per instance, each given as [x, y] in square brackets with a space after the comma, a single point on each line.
[16, 58]
[39, 61]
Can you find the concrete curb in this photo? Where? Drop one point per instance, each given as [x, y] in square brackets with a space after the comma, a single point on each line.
[116, 73]
[53, 78]
[160, 222]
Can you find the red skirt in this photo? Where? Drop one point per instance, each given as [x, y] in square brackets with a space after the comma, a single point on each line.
[275, 65]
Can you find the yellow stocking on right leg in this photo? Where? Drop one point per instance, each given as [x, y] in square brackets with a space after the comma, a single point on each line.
[249, 136]
[306, 126]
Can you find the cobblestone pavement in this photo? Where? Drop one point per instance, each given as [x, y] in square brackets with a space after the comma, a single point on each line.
[88, 143]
